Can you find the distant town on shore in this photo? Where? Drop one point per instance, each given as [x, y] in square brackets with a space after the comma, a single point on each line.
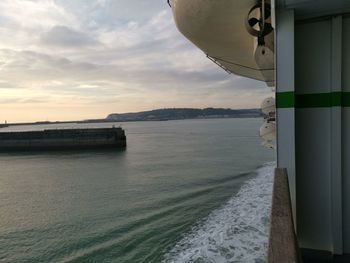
[167, 114]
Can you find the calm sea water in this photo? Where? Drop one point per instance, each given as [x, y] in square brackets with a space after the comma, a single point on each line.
[182, 191]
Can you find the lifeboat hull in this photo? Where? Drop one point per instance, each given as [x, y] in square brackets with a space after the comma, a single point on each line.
[218, 28]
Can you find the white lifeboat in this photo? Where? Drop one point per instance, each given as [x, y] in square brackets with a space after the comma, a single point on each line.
[219, 28]
[268, 131]
[268, 107]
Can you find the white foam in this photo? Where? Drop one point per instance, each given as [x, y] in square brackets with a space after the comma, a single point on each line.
[236, 232]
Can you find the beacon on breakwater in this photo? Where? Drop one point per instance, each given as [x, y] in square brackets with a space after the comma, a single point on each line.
[63, 139]
[310, 43]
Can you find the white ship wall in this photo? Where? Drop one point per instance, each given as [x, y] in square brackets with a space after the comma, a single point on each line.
[313, 135]
[346, 135]
[315, 130]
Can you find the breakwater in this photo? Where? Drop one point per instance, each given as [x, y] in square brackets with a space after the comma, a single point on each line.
[63, 139]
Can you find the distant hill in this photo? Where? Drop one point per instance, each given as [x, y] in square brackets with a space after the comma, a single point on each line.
[184, 113]
[162, 115]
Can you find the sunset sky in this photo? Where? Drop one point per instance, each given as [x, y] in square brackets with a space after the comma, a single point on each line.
[83, 59]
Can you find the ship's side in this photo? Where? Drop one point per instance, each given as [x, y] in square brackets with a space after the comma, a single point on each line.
[312, 64]
[312, 94]
[63, 139]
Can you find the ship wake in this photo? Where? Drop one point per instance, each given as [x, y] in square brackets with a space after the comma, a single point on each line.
[236, 232]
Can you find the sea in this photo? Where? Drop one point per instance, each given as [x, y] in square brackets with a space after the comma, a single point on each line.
[182, 191]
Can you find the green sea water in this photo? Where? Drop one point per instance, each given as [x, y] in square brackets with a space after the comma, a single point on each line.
[182, 191]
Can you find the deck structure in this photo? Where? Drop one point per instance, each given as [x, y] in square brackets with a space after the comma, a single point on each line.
[313, 119]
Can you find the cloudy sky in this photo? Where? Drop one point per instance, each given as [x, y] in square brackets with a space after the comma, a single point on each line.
[80, 59]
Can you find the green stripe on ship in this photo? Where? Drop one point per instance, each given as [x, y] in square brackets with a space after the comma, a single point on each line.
[316, 100]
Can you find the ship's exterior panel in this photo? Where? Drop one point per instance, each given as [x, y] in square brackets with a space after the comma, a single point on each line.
[319, 97]
[313, 137]
[346, 133]
[285, 84]
[313, 178]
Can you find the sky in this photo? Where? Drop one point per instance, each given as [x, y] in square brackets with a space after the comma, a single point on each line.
[85, 59]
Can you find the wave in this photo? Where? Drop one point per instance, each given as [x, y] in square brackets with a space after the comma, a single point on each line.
[236, 232]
